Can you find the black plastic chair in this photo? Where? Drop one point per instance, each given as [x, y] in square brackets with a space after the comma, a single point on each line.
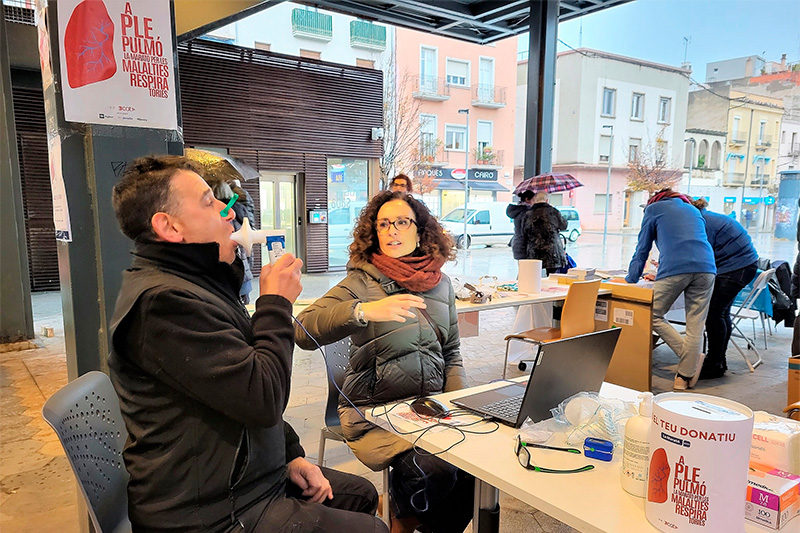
[337, 357]
[86, 417]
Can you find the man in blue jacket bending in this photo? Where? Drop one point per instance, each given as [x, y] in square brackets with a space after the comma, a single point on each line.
[686, 265]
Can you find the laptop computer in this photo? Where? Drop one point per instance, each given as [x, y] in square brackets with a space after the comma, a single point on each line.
[562, 368]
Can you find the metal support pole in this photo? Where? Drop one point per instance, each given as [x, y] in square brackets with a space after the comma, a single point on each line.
[747, 160]
[691, 164]
[465, 237]
[608, 183]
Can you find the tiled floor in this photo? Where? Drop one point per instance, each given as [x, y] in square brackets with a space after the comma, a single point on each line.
[37, 491]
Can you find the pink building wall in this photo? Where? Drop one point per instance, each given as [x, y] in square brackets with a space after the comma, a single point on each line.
[594, 182]
[408, 50]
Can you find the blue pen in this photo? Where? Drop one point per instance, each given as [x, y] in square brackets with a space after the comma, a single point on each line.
[227, 209]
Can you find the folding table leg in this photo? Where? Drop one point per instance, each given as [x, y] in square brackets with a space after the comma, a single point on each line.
[486, 509]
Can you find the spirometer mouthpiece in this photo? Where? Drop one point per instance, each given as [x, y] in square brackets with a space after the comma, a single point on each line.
[247, 237]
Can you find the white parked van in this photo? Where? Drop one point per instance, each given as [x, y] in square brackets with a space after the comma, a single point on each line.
[573, 230]
[486, 224]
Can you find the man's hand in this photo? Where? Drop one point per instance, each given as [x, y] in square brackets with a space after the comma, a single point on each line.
[392, 308]
[310, 479]
[649, 277]
[282, 278]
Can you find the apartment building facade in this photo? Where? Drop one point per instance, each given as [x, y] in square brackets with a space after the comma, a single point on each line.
[745, 175]
[460, 96]
[610, 110]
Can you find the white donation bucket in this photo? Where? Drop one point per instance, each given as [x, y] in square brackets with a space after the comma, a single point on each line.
[699, 453]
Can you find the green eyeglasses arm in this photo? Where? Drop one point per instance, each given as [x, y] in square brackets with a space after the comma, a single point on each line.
[227, 209]
[573, 471]
[556, 448]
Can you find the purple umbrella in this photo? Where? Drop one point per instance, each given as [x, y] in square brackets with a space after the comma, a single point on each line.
[548, 182]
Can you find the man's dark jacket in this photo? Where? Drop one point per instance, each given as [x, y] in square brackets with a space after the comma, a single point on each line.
[202, 389]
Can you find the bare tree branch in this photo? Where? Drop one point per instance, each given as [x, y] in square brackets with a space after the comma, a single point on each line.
[649, 170]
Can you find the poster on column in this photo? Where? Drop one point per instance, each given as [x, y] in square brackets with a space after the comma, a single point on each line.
[117, 63]
[59, 191]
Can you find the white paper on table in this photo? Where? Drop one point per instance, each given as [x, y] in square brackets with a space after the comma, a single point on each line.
[529, 317]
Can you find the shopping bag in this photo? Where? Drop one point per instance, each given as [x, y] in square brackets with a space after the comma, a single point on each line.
[570, 264]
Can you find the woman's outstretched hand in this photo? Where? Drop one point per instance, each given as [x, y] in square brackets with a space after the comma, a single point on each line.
[392, 308]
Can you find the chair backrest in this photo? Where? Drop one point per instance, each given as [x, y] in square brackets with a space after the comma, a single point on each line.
[86, 417]
[758, 285]
[337, 357]
[577, 317]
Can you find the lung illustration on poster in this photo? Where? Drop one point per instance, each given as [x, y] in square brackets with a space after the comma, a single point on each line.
[89, 44]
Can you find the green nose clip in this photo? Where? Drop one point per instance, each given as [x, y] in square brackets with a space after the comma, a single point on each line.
[227, 209]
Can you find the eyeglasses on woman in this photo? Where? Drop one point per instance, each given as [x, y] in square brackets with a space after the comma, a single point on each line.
[400, 224]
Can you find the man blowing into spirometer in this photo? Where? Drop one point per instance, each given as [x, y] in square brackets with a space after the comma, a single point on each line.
[203, 386]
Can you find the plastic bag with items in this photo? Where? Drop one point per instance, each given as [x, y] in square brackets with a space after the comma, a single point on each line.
[586, 414]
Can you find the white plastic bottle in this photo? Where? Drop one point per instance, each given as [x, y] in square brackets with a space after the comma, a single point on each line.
[637, 448]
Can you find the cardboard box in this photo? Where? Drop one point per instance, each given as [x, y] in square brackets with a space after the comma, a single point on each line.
[775, 443]
[794, 380]
[631, 292]
[773, 498]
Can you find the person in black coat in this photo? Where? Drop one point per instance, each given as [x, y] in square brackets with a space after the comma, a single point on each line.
[541, 231]
[516, 212]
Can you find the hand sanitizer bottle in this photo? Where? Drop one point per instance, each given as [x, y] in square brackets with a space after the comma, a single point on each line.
[637, 448]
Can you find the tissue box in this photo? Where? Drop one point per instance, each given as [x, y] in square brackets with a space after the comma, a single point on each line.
[775, 443]
[773, 498]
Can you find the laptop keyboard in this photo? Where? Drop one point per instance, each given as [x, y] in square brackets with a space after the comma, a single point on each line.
[505, 408]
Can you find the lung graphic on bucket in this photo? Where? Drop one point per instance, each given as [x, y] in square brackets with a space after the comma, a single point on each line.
[697, 470]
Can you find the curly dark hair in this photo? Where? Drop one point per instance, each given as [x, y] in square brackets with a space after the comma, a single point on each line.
[432, 238]
[403, 177]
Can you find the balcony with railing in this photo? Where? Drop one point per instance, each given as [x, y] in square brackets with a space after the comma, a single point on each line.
[489, 96]
[367, 35]
[738, 138]
[764, 140]
[487, 157]
[312, 25]
[432, 154]
[430, 88]
[760, 180]
[733, 179]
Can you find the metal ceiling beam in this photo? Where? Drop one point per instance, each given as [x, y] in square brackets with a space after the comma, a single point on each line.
[388, 16]
[455, 12]
[189, 15]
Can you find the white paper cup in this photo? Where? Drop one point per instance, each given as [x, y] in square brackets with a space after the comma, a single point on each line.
[530, 276]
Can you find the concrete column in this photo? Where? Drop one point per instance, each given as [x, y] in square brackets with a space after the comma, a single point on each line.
[93, 158]
[16, 317]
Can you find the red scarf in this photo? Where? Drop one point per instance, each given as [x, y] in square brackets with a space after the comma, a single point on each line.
[417, 274]
[664, 195]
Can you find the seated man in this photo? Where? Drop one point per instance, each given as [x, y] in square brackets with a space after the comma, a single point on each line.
[202, 386]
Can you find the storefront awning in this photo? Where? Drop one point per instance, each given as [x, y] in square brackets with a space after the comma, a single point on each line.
[458, 185]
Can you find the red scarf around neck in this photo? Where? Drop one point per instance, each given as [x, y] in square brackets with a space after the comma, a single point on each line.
[666, 195]
[417, 274]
